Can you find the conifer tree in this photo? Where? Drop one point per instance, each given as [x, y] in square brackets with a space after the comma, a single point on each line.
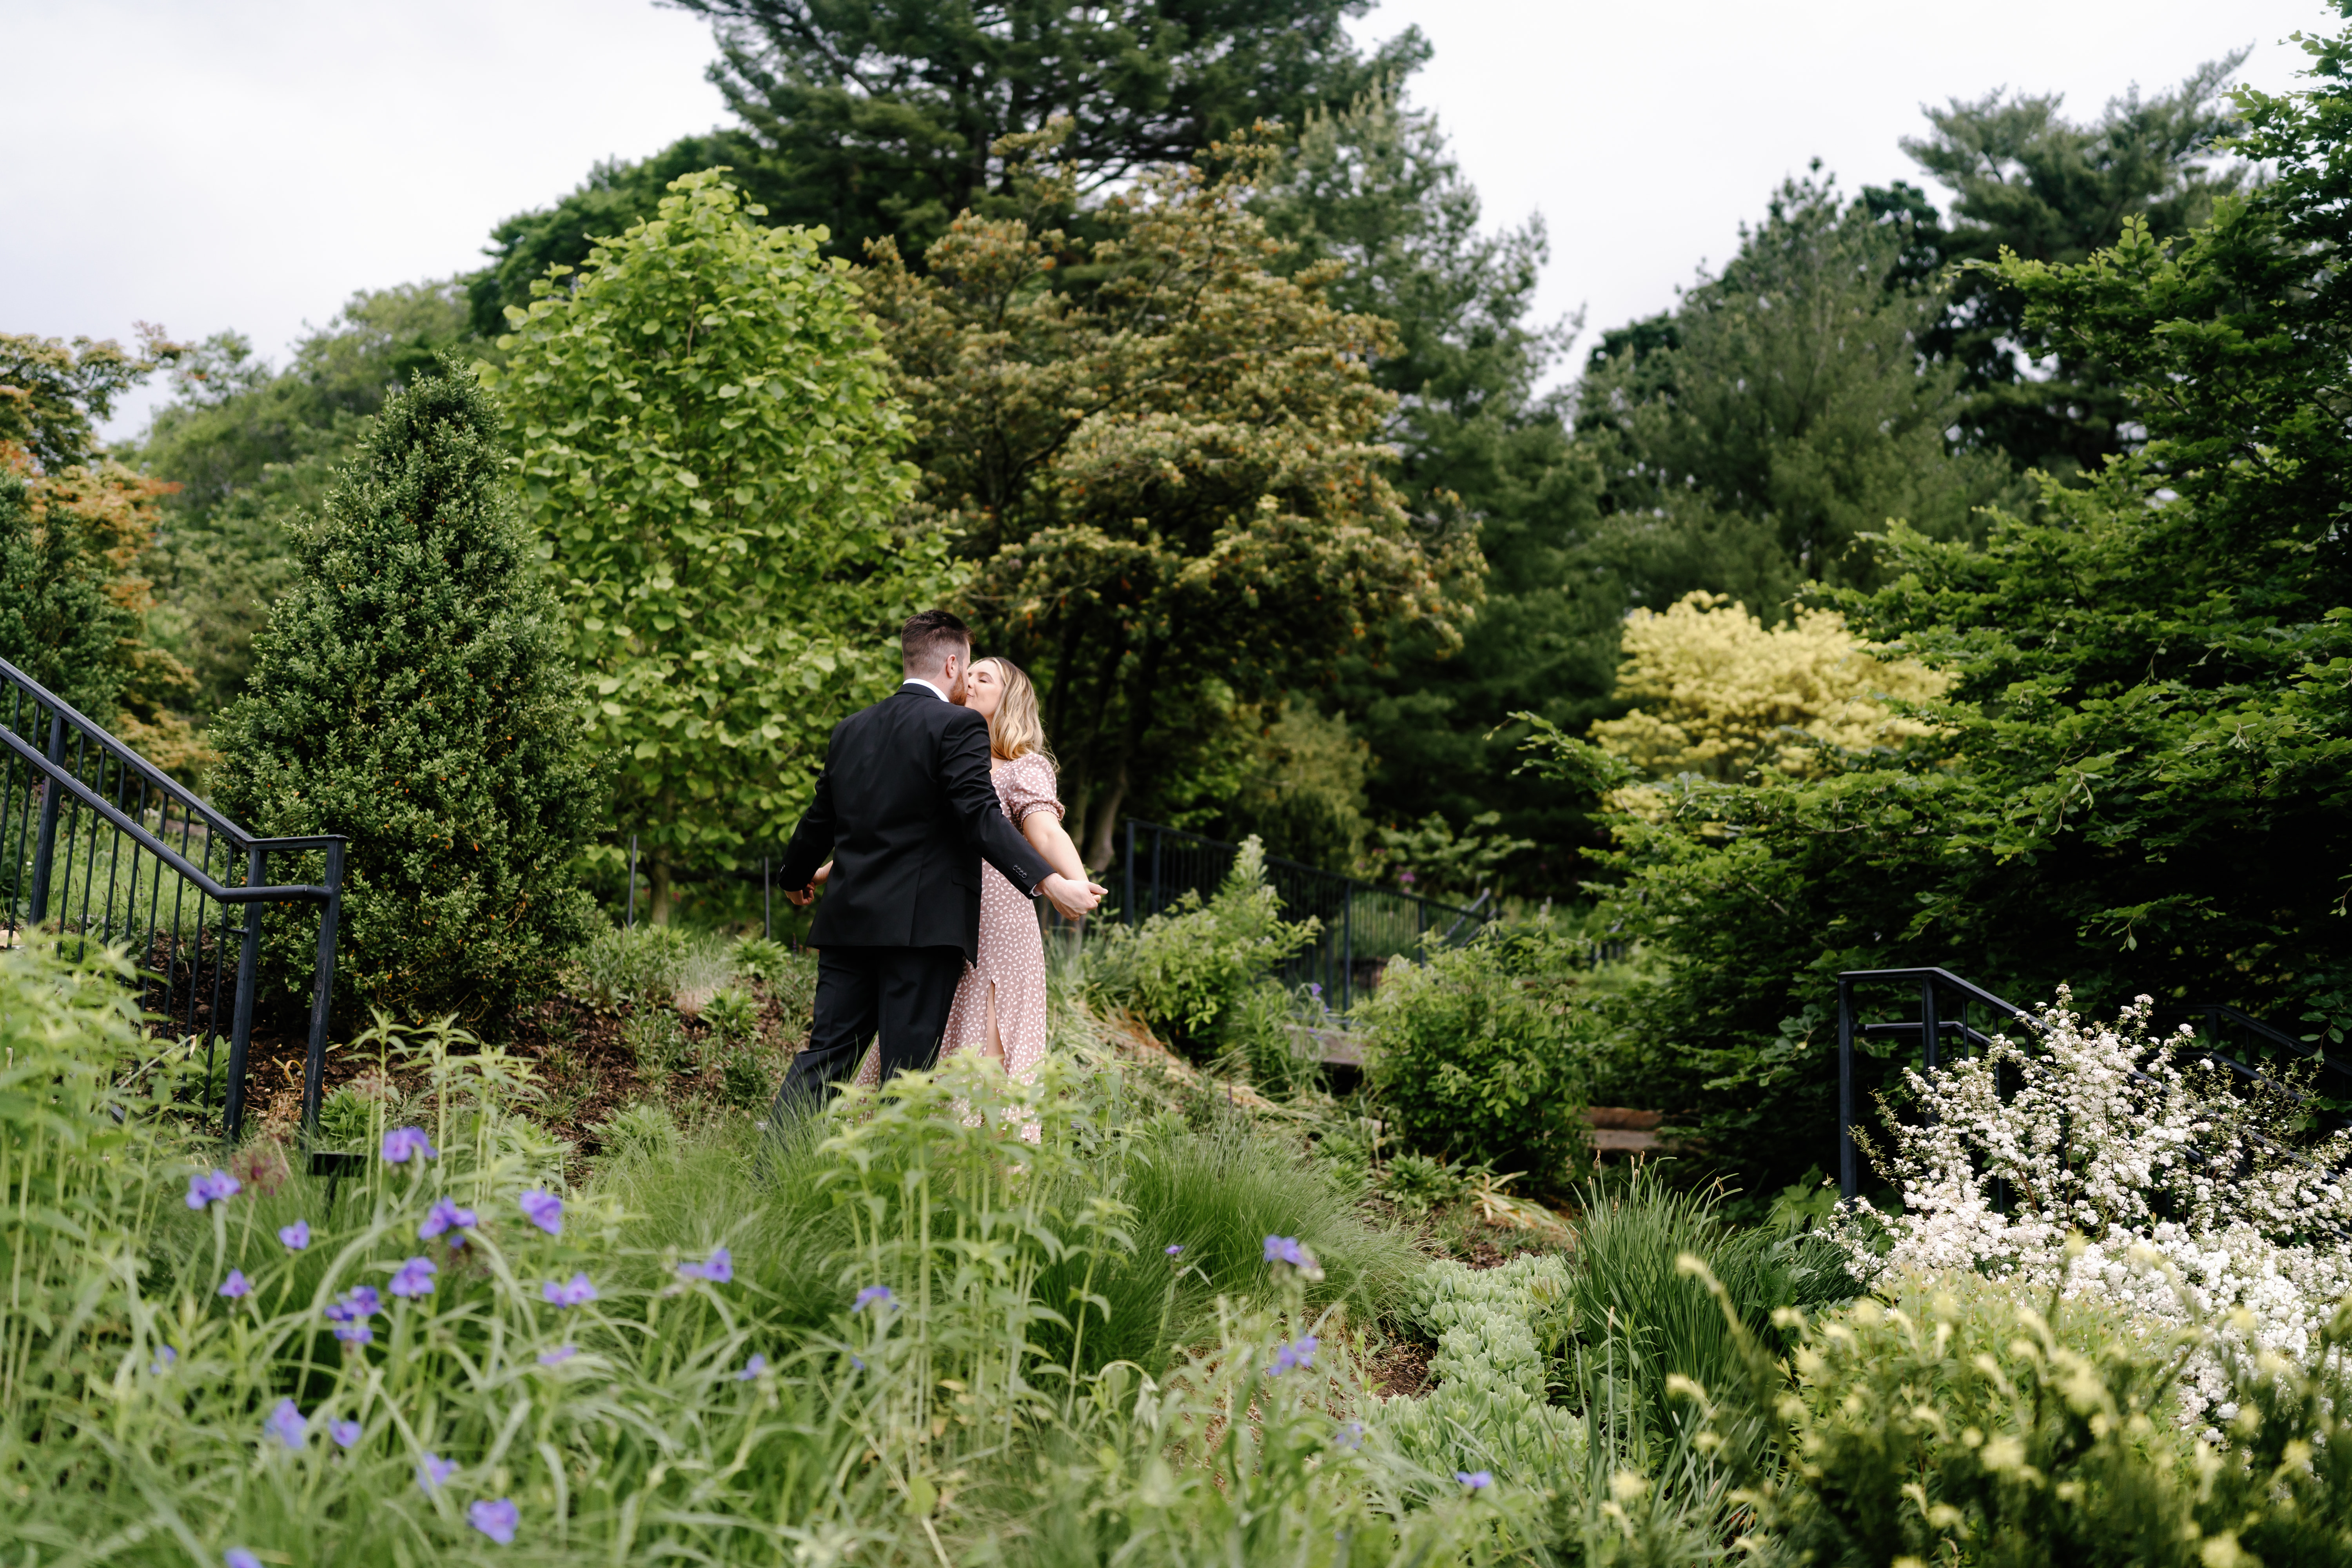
[412, 693]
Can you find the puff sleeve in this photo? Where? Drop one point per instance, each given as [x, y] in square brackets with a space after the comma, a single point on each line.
[1027, 784]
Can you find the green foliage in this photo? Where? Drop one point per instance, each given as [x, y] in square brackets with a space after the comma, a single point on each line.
[732, 1014]
[997, 1385]
[707, 444]
[57, 621]
[254, 452]
[54, 396]
[616, 193]
[412, 694]
[886, 121]
[1965, 1425]
[1471, 1059]
[1493, 1328]
[1164, 456]
[1751, 440]
[1186, 970]
[1375, 189]
[1300, 789]
[2025, 180]
[1430, 859]
[1643, 1324]
[620, 965]
[2141, 780]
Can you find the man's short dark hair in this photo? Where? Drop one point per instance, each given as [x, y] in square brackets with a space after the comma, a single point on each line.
[925, 640]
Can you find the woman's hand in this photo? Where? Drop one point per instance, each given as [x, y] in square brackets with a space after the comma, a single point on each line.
[803, 898]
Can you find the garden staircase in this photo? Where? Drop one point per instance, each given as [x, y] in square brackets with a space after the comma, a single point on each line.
[100, 847]
[1944, 1004]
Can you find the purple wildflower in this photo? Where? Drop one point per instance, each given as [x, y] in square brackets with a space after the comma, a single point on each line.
[578, 1293]
[164, 1356]
[545, 1210]
[286, 1424]
[401, 1142]
[296, 1236]
[352, 1313]
[494, 1516]
[1407, 877]
[413, 1277]
[751, 1369]
[1474, 1480]
[432, 1472]
[878, 1297]
[1177, 1250]
[857, 1364]
[1292, 1357]
[445, 1215]
[205, 1191]
[558, 1355]
[1315, 991]
[720, 1269]
[238, 1557]
[1286, 1249]
[236, 1285]
[1349, 1436]
[346, 1433]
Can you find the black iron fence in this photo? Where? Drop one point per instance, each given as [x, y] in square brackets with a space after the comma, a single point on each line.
[1942, 1016]
[1362, 925]
[96, 845]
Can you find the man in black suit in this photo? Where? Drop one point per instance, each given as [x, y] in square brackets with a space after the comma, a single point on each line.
[906, 808]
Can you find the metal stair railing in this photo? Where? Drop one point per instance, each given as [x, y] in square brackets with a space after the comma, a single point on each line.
[1933, 1029]
[96, 844]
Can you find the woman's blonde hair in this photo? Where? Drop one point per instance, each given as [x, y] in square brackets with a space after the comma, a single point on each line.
[1016, 731]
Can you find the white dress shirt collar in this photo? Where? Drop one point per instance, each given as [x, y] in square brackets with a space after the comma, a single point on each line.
[934, 690]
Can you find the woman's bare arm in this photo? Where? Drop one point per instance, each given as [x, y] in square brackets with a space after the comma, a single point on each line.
[1046, 835]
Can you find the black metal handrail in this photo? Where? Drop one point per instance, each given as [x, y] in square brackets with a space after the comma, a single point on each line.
[1360, 922]
[92, 808]
[1933, 1028]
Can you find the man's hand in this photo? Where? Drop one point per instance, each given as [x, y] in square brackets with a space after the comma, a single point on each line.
[1073, 898]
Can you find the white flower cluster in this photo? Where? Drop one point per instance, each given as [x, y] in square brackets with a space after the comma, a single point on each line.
[2190, 1208]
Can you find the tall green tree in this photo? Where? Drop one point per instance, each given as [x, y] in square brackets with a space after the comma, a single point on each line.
[889, 115]
[617, 193]
[1375, 189]
[57, 621]
[708, 446]
[1749, 441]
[253, 450]
[412, 692]
[2027, 180]
[1169, 477]
[2144, 777]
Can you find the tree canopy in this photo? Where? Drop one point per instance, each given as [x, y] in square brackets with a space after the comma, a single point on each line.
[709, 445]
[1162, 457]
[2026, 180]
[2143, 776]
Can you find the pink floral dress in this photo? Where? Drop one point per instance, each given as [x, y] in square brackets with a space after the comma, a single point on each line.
[1012, 952]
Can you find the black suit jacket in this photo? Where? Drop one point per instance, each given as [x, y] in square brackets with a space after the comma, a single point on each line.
[906, 808]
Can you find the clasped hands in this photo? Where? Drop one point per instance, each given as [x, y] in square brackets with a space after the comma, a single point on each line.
[1071, 897]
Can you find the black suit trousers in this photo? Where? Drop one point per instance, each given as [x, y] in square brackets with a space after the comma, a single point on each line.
[902, 994]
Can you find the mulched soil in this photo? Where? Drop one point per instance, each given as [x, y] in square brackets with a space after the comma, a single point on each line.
[1401, 1369]
[586, 1070]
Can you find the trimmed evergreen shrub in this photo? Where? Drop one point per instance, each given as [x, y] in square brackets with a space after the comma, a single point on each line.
[411, 693]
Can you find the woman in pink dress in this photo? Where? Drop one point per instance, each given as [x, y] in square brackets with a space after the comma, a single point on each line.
[1000, 1008]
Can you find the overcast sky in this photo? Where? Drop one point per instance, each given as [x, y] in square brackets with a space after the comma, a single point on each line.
[248, 163]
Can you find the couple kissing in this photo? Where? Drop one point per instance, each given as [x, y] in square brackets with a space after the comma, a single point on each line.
[937, 822]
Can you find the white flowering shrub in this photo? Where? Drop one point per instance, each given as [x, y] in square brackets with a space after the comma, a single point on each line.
[2191, 1206]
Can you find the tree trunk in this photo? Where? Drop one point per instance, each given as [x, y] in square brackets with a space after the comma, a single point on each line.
[657, 890]
[1098, 842]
